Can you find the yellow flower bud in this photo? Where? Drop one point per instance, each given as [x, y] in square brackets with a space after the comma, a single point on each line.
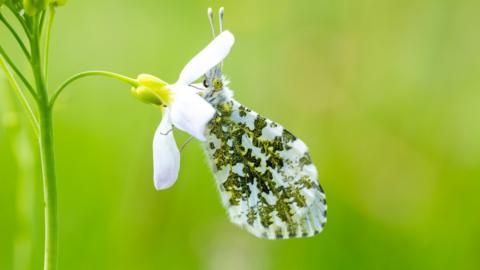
[146, 95]
[152, 90]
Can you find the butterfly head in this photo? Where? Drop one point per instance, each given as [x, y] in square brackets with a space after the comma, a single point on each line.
[214, 81]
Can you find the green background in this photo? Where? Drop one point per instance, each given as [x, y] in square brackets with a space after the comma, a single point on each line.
[386, 94]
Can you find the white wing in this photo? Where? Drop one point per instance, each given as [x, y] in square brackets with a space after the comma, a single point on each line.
[265, 175]
[209, 57]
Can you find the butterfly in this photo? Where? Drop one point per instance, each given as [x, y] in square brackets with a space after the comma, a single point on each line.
[265, 174]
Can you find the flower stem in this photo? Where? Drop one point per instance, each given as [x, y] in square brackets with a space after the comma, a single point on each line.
[21, 96]
[47, 40]
[80, 75]
[7, 59]
[47, 157]
[49, 188]
[15, 35]
[19, 18]
[43, 124]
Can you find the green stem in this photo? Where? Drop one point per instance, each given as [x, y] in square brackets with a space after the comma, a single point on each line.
[16, 36]
[49, 188]
[19, 18]
[21, 96]
[42, 20]
[47, 157]
[17, 71]
[44, 125]
[47, 40]
[80, 75]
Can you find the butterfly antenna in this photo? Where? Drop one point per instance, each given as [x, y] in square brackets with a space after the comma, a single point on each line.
[221, 11]
[210, 18]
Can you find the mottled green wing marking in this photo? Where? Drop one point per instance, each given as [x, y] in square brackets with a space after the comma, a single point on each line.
[265, 175]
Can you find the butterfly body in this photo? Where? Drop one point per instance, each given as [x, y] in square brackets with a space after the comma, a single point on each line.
[265, 175]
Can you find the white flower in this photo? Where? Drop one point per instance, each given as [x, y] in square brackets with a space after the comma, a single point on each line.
[182, 107]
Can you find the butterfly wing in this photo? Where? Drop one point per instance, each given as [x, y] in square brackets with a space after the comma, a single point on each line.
[265, 175]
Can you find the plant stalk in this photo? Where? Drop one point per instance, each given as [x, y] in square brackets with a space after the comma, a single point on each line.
[49, 188]
[46, 143]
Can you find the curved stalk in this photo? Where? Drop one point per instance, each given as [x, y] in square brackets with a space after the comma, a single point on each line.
[21, 96]
[18, 72]
[80, 75]
[20, 19]
[16, 36]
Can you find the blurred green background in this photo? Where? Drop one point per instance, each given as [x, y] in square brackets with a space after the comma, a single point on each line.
[385, 93]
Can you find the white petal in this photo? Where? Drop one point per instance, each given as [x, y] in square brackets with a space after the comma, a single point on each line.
[190, 112]
[209, 57]
[166, 157]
